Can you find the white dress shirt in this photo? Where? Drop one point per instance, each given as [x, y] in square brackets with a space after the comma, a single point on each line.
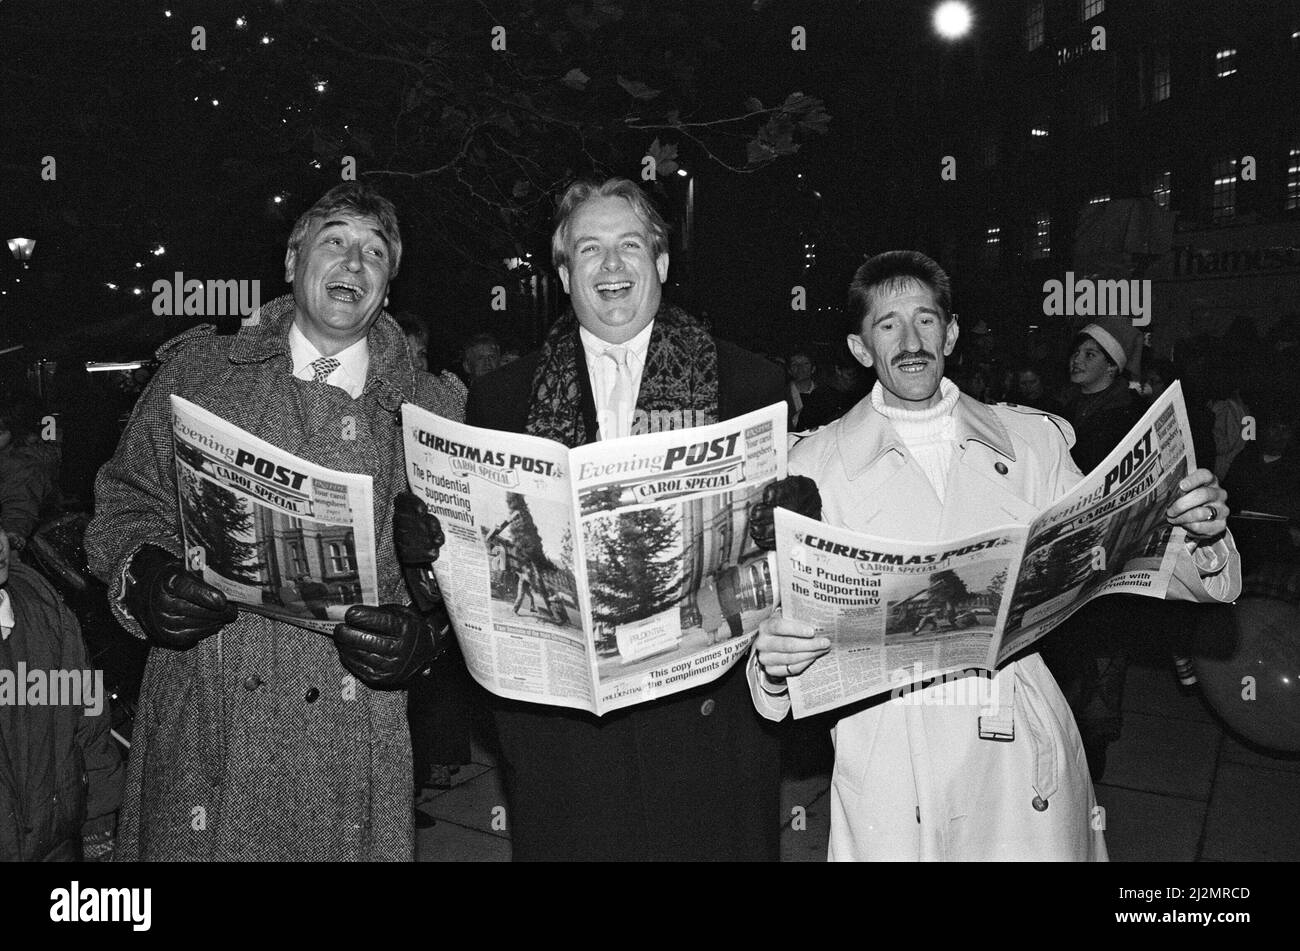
[603, 376]
[349, 375]
[6, 615]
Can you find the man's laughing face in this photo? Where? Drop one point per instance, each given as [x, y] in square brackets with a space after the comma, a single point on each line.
[613, 277]
[340, 280]
[905, 337]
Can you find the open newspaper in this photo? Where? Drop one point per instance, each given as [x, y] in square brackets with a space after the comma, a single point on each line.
[276, 534]
[603, 576]
[902, 612]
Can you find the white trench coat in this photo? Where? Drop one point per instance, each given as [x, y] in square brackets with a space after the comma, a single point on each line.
[913, 780]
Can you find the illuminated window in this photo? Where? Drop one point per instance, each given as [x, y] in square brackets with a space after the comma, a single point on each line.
[992, 243]
[1223, 194]
[1293, 176]
[1225, 62]
[1042, 245]
[1160, 189]
[1160, 83]
[1090, 8]
[1034, 25]
[1100, 199]
[340, 563]
[1039, 132]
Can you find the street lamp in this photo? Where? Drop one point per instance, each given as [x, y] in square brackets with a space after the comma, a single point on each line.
[952, 20]
[22, 249]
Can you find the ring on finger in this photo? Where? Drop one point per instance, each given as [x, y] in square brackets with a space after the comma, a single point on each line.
[1214, 512]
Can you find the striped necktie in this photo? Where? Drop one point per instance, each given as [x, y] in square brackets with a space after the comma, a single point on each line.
[324, 367]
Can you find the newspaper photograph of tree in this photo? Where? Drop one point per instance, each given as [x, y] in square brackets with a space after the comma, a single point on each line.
[633, 565]
[526, 583]
[218, 520]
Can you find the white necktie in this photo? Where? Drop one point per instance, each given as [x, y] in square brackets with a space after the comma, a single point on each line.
[618, 421]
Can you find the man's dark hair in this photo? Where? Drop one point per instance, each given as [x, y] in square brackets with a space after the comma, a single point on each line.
[893, 271]
[356, 198]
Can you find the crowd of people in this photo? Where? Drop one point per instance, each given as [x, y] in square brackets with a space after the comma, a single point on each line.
[693, 776]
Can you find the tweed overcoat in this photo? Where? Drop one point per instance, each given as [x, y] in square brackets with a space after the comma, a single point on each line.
[690, 777]
[257, 744]
[913, 780]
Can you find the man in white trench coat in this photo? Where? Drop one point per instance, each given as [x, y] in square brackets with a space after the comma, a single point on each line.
[940, 776]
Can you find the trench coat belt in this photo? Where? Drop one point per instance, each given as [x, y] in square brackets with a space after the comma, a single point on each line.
[997, 721]
[1046, 755]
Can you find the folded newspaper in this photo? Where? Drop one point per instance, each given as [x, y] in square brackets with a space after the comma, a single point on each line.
[899, 612]
[276, 534]
[603, 576]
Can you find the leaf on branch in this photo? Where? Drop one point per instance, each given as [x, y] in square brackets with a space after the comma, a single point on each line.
[673, 118]
[576, 79]
[808, 110]
[759, 152]
[778, 133]
[665, 156]
[520, 188]
[753, 104]
[637, 89]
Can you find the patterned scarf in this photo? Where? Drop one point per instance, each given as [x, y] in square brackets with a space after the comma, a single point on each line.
[681, 374]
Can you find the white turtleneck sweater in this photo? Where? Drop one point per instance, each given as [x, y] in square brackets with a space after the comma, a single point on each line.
[930, 435]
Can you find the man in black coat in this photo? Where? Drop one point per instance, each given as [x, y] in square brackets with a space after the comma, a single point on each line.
[693, 776]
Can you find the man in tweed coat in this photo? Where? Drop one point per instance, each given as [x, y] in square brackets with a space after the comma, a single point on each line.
[254, 740]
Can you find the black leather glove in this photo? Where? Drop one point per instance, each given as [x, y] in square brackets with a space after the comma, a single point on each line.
[417, 536]
[385, 646]
[175, 609]
[796, 493]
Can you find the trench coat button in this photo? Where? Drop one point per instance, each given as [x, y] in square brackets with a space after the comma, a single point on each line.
[252, 682]
[1001, 467]
[1039, 803]
[312, 694]
[707, 707]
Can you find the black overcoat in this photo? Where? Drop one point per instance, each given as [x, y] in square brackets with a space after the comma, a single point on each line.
[690, 777]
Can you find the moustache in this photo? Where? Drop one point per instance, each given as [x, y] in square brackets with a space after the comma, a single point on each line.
[904, 357]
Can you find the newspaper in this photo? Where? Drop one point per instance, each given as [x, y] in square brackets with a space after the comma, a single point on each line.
[276, 534]
[604, 576]
[898, 613]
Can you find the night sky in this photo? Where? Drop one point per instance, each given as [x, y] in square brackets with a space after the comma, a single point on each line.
[116, 94]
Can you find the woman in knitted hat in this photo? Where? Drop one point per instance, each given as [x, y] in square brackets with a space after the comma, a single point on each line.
[1099, 404]
[1090, 666]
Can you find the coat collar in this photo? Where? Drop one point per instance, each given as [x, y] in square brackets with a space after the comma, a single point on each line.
[391, 376]
[865, 435]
